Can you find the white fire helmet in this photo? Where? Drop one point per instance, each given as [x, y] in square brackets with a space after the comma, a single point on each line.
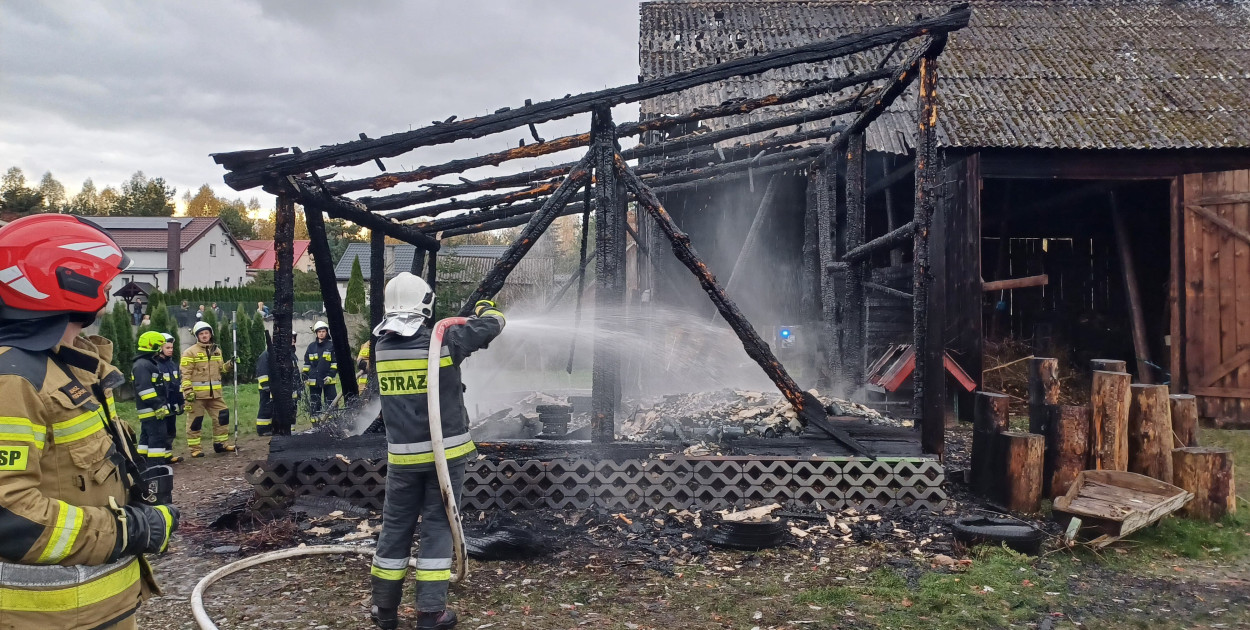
[409, 301]
[320, 325]
[201, 326]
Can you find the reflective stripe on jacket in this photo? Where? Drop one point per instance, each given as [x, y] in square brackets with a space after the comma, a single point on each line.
[150, 390]
[402, 367]
[263, 374]
[319, 363]
[201, 370]
[58, 471]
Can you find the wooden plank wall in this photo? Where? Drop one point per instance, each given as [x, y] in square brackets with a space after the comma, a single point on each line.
[1217, 297]
[960, 217]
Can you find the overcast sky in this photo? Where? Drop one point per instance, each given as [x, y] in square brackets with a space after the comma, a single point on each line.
[101, 89]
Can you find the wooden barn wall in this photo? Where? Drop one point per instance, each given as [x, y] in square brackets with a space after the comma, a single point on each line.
[956, 247]
[717, 219]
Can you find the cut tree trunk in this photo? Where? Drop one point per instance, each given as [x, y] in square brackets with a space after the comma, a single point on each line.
[1184, 420]
[1108, 434]
[989, 419]
[1021, 471]
[1108, 365]
[1150, 432]
[1207, 472]
[1067, 447]
[1043, 392]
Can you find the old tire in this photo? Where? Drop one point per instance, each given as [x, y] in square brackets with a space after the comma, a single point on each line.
[980, 530]
[747, 535]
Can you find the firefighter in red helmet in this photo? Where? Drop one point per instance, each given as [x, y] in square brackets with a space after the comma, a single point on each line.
[76, 513]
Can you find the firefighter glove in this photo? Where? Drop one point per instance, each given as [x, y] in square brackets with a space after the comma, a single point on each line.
[329, 380]
[162, 412]
[189, 394]
[227, 366]
[177, 409]
[146, 528]
[482, 306]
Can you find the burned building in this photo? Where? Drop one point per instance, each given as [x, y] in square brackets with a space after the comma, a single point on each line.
[1094, 196]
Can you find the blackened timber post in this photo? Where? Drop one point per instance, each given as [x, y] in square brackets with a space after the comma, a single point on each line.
[826, 236]
[377, 288]
[431, 278]
[323, 261]
[929, 402]
[283, 383]
[418, 263]
[377, 277]
[609, 276]
[854, 312]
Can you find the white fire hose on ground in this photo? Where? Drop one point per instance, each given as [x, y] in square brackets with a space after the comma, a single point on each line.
[459, 563]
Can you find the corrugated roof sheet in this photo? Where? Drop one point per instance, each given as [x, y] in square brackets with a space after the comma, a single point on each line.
[474, 262]
[1078, 74]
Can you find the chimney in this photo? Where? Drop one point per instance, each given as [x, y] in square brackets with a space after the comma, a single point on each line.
[173, 254]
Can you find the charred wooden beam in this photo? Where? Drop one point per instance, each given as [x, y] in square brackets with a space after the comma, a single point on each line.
[826, 229]
[391, 202]
[557, 145]
[254, 173]
[431, 277]
[323, 261]
[810, 410]
[283, 383]
[235, 159]
[678, 163]
[898, 235]
[740, 166]
[609, 277]
[348, 210]
[880, 288]
[928, 377]
[903, 76]
[434, 192]
[854, 315]
[538, 224]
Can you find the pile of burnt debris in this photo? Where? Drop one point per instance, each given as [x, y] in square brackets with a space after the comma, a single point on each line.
[710, 415]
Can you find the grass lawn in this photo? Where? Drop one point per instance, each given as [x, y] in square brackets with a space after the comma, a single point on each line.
[247, 406]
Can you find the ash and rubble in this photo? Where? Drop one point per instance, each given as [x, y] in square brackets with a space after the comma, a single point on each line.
[708, 415]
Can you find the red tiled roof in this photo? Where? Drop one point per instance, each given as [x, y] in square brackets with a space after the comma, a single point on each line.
[262, 256]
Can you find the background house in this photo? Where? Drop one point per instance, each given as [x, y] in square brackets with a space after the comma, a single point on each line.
[172, 253]
[1052, 117]
[464, 265]
[262, 256]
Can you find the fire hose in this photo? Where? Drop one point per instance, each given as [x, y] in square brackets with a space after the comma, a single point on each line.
[459, 564]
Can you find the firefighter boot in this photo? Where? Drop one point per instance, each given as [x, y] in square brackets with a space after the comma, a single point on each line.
[385, 618]
[223, 448]
[441, 620]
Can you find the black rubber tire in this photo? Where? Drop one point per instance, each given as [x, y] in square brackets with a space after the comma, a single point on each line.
[750, 536]
[979, 530]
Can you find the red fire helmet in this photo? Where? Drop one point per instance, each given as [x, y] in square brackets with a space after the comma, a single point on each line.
[52, 264]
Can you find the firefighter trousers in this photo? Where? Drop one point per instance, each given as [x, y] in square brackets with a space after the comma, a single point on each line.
[216, 413]
[409, 495]
[264, 415]
[315, 393]
[156, 443]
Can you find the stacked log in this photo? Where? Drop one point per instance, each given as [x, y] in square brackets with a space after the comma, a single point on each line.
[989, 419]
[1021, 470]
[1043, 391]
[1150, 432]
[1207, 472]
[1108, 435]
[1108, 365]
[1184, 420]
[1067, 447]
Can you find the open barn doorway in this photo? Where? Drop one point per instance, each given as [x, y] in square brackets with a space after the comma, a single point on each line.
[1066, 230]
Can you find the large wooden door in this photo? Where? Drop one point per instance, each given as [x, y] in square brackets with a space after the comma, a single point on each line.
[1215, 210]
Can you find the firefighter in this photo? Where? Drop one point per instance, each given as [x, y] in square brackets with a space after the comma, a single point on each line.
[362, 367]
[264, 369]
[71, 538]
[152, 400]
[171, 377]
[202, 385]
[412, 489]
[320, 370]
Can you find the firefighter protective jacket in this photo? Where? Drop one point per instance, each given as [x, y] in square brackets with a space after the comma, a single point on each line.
[402, 370]
[319, 363]
[362, 365]
[201, 370]
[151, 392]
[59, 469]
[171, 378]
[264, 367]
